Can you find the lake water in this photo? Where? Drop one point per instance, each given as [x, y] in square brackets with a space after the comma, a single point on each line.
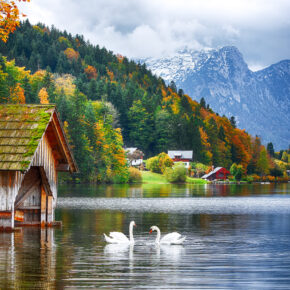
[237, 236]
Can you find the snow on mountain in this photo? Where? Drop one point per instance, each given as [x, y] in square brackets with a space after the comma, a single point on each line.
[260, 100]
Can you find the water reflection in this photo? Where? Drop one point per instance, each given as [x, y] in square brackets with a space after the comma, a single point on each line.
[171, 190]
[212, 205]
[16, 252]
[232, 242]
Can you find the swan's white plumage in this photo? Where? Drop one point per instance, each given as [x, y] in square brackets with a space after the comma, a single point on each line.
[118, 237]
[169, 239]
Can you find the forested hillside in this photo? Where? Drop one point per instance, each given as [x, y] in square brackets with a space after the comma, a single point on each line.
[97, 92]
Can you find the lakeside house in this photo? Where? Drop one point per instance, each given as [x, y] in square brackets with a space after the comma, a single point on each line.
[184, 156]
[134, 162]
[217, 173]
[33, 149]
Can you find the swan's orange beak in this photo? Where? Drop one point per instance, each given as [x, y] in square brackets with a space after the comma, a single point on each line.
[150, 232]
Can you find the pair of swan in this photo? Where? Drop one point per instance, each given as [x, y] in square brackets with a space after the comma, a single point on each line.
[169, 239]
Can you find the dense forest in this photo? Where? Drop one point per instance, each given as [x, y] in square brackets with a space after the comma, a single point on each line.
[107, 101]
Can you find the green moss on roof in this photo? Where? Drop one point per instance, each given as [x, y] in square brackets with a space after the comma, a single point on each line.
[21, 129]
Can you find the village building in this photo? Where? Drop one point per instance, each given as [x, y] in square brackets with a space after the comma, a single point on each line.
[217, 173]
[134, 162]
[181, 156]
[33, 149]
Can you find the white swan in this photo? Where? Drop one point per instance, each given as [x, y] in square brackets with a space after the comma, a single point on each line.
[119, 238]
[169, 239]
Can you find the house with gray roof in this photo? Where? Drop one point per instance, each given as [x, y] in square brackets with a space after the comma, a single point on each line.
[184, 156]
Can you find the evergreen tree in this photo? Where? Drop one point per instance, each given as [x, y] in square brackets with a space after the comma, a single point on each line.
[30, 98]
[270, 149]
[202, 103]
[233, 122]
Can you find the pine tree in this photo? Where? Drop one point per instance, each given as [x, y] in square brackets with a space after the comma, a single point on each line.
[233, 122]
[202, 103]
[270, 149]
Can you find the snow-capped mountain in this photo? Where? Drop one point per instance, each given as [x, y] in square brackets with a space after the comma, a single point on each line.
[260, 100]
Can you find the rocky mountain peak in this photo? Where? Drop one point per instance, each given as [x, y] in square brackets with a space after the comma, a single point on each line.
[259, 100]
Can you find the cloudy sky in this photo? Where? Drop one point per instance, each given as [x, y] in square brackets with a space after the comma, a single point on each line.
[143, 28]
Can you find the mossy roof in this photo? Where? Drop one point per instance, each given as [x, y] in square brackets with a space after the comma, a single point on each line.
[21, 129]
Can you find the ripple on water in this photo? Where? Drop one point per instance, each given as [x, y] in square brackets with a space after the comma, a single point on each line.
[214, 205]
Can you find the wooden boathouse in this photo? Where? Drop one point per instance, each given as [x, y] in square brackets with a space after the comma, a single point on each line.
[33, 149]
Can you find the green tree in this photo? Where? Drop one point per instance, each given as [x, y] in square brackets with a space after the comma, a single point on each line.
[233, 122]
[140, 126]
[237, 171]
[177, 173]
[159, 163]
[270, 149]
[202, 103]
[263, 163]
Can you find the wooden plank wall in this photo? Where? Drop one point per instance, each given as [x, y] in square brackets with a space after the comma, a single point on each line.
[10, 182]
[44, 157]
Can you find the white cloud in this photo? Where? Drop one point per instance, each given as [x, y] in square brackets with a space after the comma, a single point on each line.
[142, 28]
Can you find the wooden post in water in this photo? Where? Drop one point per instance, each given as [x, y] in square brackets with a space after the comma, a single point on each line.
[50, 217]
[43, 207]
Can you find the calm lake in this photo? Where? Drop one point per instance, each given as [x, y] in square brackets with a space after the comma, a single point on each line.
[237, 236]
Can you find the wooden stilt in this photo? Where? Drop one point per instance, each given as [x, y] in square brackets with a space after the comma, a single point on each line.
[43, 207]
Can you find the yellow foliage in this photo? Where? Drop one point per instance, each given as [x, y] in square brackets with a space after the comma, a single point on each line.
[43, 96]
[37, 77]
[39, 29]
[66, 84]
[62, 39]
[19, 73]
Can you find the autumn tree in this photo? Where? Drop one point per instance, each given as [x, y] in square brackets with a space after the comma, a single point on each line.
[43, 96]
[17, 94]
[9, 17]
[71, 54]
[91, 72]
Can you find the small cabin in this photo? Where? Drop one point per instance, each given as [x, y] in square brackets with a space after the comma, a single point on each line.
[33, 149]
[217, 173]
[181, 156]
[135, 162]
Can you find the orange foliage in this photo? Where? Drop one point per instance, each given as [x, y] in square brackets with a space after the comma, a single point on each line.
[71, 54]
[110, 74]
[204, 113]
[242, 143]
[163, 92]
[9, 18]
[120, 58]
[91, 72]
[43, 96]
[17, 94]
[78, 42]
[204, 138]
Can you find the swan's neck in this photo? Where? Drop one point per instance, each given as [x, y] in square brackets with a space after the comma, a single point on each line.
[131, 233]
[157, 241]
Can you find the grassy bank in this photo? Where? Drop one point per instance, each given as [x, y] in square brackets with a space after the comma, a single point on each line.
[196, 180]
[150, 177]
[155, 178]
